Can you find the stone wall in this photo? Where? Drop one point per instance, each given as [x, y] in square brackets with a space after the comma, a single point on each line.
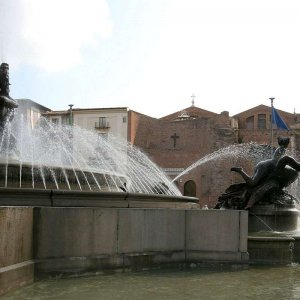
[91, 239]
[16, 264]
[45, 241]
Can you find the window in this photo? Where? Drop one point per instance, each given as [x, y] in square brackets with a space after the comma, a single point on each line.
[102, 123]
[124, 119]
[261, 121]
[250, 123]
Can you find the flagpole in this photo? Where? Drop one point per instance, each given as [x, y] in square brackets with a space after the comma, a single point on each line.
[272, 99]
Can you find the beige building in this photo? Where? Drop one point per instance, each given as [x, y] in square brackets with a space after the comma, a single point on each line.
[103, 121]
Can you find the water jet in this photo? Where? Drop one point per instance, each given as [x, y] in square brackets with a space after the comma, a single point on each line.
[57, 157]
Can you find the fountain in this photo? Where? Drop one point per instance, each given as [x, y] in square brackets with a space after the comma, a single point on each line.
[273, 216]
[106, 204]
[268, 196]
[59, 158]
[264, 194]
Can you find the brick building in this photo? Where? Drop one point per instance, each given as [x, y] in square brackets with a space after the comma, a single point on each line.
[255, 125]
[178, 140]
[196, 136]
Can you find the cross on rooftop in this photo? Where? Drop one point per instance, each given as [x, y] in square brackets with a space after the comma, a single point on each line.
[193, 99]
[175, 137]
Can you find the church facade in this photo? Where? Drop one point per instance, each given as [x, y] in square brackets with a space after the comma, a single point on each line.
[178, 140]
[195, 146]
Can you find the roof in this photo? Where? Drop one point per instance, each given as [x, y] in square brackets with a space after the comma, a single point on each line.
[260, 107]
[190, 112]
[141, 114]
[63, 112]
[29, 102]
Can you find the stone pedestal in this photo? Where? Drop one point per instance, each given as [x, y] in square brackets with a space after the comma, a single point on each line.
[270, 238]
[270, 249]
[272, 218]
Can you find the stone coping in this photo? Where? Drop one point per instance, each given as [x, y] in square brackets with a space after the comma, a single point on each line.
[271, 238]
[41, 197]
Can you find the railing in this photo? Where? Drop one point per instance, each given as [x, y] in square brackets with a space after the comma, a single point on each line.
[102, 125]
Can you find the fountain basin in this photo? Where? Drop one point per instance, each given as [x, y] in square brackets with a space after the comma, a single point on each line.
[66, 198]
[70, 241]
[272, 218]
[271, 237]
[13, 174]
[270, 248]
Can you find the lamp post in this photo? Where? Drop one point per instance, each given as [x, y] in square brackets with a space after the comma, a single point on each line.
[71, 114]
[272, 99]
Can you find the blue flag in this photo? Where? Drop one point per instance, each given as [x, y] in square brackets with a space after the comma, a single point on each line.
[277, 120]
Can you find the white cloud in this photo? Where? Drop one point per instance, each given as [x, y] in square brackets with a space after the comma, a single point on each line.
[231, 54]
[51, 33]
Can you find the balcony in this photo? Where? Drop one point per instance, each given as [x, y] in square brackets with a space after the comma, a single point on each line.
[102, 125]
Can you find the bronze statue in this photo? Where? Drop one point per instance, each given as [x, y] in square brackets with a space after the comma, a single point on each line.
[269, 178]
[4, 80]
[7, 104]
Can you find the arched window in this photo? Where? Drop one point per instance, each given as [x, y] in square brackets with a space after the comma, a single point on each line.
[190, 188]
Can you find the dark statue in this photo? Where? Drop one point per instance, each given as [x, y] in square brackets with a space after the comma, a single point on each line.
[7, 104]
[266, 185]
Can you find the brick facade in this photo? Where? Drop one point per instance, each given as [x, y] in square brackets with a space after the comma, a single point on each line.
[185, 137]
[260, 135]
[178, 140]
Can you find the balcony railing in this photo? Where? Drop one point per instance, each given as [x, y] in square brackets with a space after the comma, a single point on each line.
[102, 125]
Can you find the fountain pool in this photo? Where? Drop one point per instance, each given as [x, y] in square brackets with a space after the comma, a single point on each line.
[256, 282]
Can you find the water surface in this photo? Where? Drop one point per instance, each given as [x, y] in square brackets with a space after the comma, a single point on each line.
[263, 282]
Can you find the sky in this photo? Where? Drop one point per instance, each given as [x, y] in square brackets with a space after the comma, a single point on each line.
[153, 55]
